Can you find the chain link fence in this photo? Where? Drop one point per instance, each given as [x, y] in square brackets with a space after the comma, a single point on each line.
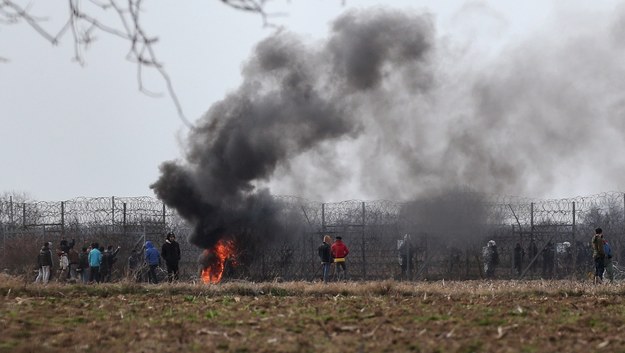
[373, 230]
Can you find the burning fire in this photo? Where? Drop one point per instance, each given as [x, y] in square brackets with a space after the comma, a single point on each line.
[216, 260]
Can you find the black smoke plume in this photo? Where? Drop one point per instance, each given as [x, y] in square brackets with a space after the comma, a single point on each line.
[295, 98]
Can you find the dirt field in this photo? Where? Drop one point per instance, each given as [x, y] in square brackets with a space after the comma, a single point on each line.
[478, 316]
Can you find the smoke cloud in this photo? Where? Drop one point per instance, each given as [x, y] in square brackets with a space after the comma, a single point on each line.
[383, 108]
[295, 97]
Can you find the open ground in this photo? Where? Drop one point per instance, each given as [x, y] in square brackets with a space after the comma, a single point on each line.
[386, 316]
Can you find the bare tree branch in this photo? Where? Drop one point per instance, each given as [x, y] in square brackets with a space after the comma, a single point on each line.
[83, 26]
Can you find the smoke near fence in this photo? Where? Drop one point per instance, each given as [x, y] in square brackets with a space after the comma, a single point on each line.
[455, 217]
[383, 108]
[295, 98]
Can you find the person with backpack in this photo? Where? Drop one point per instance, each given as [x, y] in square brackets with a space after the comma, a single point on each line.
[325, 254]
[339, 253]
[598, 254]
[44, 262]
[170, 251]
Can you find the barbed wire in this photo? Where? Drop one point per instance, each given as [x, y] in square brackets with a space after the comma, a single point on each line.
[317, 215]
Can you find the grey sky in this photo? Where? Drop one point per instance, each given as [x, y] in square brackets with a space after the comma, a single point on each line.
[71, 131]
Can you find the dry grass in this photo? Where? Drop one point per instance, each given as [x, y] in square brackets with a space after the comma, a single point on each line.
[387, 316]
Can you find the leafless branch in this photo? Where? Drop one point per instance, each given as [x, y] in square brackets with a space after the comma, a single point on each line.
[83, 25]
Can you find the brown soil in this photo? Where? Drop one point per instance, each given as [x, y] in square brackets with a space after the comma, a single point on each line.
[510, 316]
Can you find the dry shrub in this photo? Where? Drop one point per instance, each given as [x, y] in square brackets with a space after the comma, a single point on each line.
[442, 289]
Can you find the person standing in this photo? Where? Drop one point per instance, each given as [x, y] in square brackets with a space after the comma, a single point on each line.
[153, 259]
[519, 253]
[491, 258]
[339, 253]
[548, 260]
[83, 264]
[609, 267]
[108, 260]
[95, 260]
[74, 260]
[598, 254]
[63, 267]
[406, 255]
[325, 255]
[170, 251]
[44, 262]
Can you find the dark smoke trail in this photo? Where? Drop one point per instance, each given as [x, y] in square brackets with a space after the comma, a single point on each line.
[293, 99]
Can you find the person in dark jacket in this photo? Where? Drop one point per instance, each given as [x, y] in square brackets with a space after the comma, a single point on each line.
[519, 254]
[105, 266]
[109, 257]
[153, 259]
[44, 262]
[170, 251]
[83, 264]
[325, 254]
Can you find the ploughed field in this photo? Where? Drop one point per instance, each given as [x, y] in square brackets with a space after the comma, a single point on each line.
[389, 316]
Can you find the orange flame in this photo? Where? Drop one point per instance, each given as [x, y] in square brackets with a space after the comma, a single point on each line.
[222, 251]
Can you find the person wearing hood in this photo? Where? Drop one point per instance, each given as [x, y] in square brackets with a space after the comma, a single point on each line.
[170, 251]
[153, 259]
[95, 260]
[44, 262]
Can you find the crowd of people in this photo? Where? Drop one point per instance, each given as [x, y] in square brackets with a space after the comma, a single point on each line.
[557, 259]
[96, 263]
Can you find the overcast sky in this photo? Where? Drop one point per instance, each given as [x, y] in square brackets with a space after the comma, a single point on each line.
[69, 130]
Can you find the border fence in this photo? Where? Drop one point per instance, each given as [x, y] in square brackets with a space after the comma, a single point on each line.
[385, 239]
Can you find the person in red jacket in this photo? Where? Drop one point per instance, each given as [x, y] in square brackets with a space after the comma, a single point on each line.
[339, 253]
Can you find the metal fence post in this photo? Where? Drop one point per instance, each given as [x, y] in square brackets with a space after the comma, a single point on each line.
[323, 218]
[124, 215]
[573, 228]
[62, 218]
[532, 220]
[364, 259]
[11, 210]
